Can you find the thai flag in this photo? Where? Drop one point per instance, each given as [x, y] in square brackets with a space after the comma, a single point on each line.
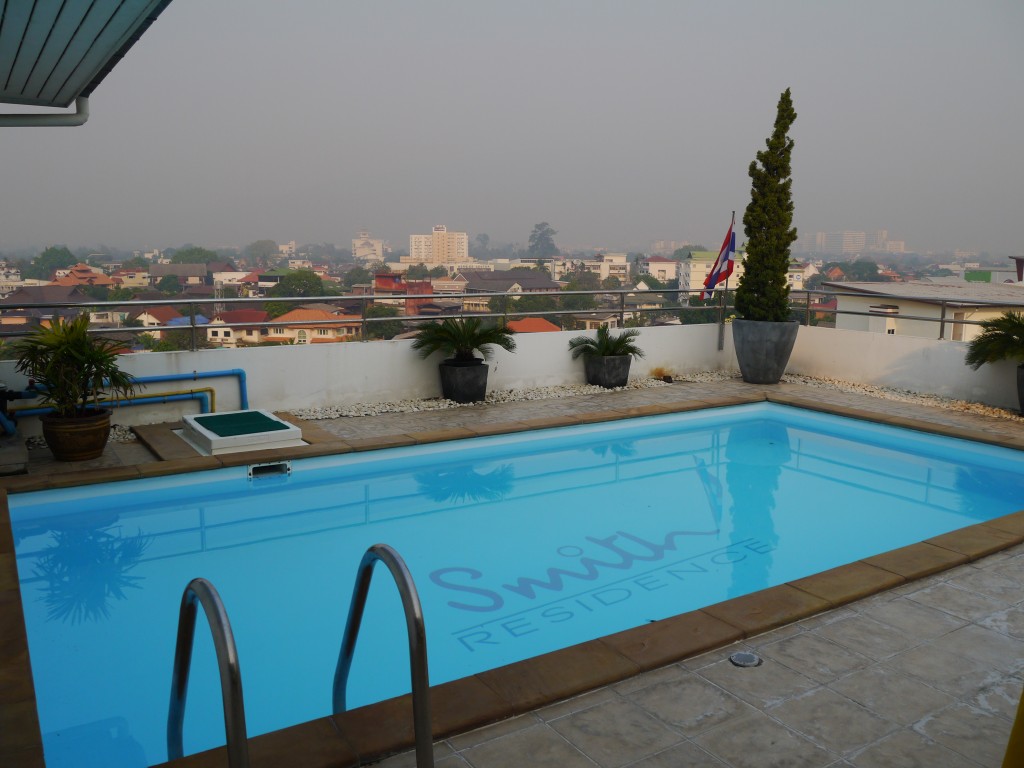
[723, 264]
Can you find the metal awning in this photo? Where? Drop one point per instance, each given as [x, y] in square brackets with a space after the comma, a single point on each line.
[55, 52]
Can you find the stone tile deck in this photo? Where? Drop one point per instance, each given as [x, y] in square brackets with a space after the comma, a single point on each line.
[914, 657]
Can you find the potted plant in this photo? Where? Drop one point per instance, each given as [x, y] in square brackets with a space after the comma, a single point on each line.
[606, 358]
[72, 369]
[463, 374]
[1001, 338]
[765, 336]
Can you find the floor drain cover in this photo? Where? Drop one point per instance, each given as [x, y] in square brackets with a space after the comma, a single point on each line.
[745, 659]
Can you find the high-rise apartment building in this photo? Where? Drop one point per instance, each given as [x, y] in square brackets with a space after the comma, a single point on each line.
[439, 247]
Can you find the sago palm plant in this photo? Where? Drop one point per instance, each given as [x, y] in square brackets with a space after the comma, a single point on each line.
[461, 337]
[606, 345]
[1001, 339]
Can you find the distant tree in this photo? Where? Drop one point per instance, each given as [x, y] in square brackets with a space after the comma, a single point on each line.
[378, 266]
[357, 275]
[526, 302]
[194, 255]
[860, 271]
[300, 282]
[46, 263]
[178, 340]
[169, 284]
[417, 272]
[684, 253]
[813, 283]
[135, 262]
[483, 241]
[438, 271]
[542, 242]
[652, 283]
[386, 329]
[612, 283]
[120, 294]
[261, 253]
[581, 280]
[98, 292]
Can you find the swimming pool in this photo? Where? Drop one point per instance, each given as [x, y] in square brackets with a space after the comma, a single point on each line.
[511, 553]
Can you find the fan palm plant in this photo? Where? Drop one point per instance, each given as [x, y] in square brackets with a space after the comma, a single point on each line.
[72, 369]
[1001, 338]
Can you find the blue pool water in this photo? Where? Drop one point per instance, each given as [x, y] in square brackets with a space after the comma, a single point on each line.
[519, 544]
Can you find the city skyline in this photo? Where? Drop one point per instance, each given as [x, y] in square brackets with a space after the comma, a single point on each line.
[618, 123]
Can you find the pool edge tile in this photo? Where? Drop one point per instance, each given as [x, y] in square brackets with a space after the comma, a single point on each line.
[483, 704]
[976, 541]
[557, 675]
[600, 417]
[917, 560]
[21, 740]
[1011, 523]
[93, 476]
[442, 435]
[670, 640]
[770, 608]
[179, 466]
[552, 422]
[498, 428]
[379, 442]
[849, 582]
[313, 744]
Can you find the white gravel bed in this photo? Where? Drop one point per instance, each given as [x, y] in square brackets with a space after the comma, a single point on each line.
[885, 393]
[546, 393]
[438, 404]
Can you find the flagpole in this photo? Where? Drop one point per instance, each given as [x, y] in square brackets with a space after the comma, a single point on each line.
[721, 314]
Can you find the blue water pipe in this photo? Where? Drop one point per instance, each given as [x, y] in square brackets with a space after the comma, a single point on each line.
[196, 375]
[202, 397]
[10, 428]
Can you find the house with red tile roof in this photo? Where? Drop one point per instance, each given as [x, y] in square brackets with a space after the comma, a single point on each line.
[83, 274]
[234, 328]
[532, 325]
[161, 314]
[313, 326]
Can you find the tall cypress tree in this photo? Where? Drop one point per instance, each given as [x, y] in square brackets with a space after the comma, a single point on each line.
[763, 293]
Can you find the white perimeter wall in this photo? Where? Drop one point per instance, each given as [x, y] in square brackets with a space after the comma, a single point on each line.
[292, 377]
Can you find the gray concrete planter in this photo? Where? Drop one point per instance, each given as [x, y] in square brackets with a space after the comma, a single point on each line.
[464, 382]
[607, 371]
[763, 349]
[1020, 387]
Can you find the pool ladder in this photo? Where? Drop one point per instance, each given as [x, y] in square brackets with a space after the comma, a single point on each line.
[203, 592]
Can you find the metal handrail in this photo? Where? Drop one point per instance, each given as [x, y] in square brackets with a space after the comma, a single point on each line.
[202, 591]
[417, 644]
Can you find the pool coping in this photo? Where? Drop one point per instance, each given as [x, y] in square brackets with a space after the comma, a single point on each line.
[369, 733]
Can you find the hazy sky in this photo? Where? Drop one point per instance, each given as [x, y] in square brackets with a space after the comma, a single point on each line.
[617, 122]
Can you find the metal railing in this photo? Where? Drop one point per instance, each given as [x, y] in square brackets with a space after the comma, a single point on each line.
[422, 728]
[674, 302]
[203, 592]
